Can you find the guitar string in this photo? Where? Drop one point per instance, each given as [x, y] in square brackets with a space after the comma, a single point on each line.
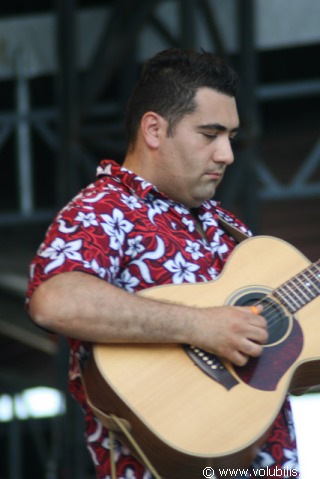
[268, 312]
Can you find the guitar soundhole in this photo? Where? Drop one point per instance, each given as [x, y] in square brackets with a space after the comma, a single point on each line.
[273, 312]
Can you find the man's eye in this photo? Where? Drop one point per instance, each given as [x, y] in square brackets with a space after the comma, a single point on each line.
[210, 136]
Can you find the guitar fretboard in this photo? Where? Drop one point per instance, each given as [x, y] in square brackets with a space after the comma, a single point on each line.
[301, 289]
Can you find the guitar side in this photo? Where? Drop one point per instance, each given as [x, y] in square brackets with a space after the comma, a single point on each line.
[183, 419]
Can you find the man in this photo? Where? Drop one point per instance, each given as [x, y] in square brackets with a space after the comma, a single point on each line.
[153, 221]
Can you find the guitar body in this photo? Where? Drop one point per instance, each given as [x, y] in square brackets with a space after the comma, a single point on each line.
[183, 419]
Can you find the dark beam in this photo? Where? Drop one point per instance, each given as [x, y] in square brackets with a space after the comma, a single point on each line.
[125, 22]
[67, 98]
[187, 23]
[250, 122]
[212, 26]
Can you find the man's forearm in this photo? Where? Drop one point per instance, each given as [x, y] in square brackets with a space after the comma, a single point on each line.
[85, 307]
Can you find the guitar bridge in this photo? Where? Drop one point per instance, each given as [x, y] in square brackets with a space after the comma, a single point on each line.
[211, 365]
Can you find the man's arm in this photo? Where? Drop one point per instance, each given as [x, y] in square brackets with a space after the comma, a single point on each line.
[82, 306]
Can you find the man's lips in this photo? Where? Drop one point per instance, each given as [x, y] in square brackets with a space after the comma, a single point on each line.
[214, 175]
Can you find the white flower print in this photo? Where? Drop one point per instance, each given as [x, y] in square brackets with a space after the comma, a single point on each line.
[89, 198]
[194, 249]
[106, 444]
[64, 228]
[127, 281]
[149, 255]
[131, 201]
[292, 462]
[59, 250]
[114, 266]
[111, 188]
[210, 204]
[190, 224]
[135, 246]
[220, 231]
[156, 207]
[216, 247]
[180, 209]
[244, 230]
[234, 223]
[116, 226]
[87, 219]
[144, 184]
[173, 225]
[182, 269]
[207, 220]
[213, 273]
[95, 267]
[129, 474]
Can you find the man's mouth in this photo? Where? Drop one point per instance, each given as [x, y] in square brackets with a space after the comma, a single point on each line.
[215, 175]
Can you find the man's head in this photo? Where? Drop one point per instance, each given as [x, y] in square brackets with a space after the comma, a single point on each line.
[169, 83]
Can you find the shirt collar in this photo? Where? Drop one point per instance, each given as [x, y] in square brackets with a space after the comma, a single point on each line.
[136, 184]
[139, 186]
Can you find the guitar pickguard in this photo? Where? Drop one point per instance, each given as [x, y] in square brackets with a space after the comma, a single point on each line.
[265, 371]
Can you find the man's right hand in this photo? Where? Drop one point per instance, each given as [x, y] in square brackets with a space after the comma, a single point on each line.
[234, 333]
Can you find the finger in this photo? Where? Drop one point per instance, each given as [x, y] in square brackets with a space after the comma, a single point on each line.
[253, 314]
[257, 320]
[251, 348]
[258, 335]
[239, 359]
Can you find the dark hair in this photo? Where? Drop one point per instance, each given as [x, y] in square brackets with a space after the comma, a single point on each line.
[169, 82]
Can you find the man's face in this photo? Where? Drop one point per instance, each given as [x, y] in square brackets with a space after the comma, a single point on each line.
[193, 160]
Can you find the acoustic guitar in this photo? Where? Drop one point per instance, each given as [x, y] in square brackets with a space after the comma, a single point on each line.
[188, 409]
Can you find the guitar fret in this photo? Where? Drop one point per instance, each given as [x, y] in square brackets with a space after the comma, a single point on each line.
[308, 287]
[301, 289]
[285, 299]
[315, 273]
[292, 287]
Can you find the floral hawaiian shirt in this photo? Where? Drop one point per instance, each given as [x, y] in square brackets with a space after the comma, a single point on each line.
[123, 230]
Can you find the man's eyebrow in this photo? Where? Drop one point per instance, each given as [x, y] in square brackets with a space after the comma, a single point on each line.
[217, 127]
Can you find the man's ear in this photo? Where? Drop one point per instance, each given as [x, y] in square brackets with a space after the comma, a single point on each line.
[153, 128]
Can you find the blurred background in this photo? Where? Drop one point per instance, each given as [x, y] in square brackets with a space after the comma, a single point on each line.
[66, 70]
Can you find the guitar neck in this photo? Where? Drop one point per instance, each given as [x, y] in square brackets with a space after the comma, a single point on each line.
[301, 289]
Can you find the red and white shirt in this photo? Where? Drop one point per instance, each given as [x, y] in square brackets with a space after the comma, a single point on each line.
[123, 230]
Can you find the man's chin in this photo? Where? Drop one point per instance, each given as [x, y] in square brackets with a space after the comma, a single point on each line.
[198, 201]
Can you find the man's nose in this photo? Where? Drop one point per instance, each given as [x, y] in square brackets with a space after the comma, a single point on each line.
[224, 152]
